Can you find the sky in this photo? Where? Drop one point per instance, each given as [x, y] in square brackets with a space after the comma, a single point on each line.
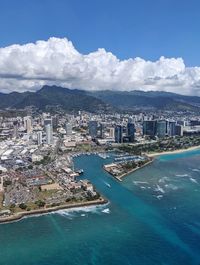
[100, 44]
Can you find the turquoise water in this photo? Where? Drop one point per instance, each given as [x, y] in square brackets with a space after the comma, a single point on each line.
[153, 218]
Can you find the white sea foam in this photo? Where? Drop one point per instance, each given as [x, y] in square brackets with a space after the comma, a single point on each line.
[193, 180]
[80, 211]
[171, 187]
[158, 188]
[159, 197]
[107, 210]
[196, 170]
[163, 180]
[140, 182]
[182, 175]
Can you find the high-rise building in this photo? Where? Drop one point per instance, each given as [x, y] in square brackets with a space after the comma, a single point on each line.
[179, 130]
[28, 124]
[48, 121]
[171, 128]
[68, 128]
[15, 129]
[93, 129]
[131, 132]
[161, 128]
[118, 134]
[101, 129]
[149, 128]
[194, 122]
[112, 132]
[39, 137]
[49, 134]
[55, 122]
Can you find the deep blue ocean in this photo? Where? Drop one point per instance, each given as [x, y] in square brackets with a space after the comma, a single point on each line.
[152, 218]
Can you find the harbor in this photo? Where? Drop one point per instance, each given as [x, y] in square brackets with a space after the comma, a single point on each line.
[126, 165]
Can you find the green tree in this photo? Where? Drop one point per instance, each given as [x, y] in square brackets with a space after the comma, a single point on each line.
[23, 206]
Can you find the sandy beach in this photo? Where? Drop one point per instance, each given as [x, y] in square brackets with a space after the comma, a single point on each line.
[173, 152]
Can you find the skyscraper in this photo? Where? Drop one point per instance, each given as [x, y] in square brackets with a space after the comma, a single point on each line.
[118, 134]
[15, 129]
[179, 130]
[131, 132]
[101, 129]
[48, 121]
[39, 138]
[28, 124]
[161, 128]
[171, 128]
[93, 129]
[149, 128]
[68, 128]
[55, 122]
[112, 132]
[49, 134]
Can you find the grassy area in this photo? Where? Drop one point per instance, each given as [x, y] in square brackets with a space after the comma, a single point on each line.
[162, 145]
[84, 148]
[43, 195]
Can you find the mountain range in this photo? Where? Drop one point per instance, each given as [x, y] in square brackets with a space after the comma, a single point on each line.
[99, 101]
[54, 96]
[157, 100]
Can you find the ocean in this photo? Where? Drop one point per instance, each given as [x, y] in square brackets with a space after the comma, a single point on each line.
[152, 218]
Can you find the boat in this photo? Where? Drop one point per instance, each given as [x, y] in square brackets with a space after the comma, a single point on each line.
[103, 155]
[80, 171]
[108, 185]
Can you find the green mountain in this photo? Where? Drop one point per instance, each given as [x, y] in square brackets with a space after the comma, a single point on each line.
[157, 100]
[99, 101]
[51, 96]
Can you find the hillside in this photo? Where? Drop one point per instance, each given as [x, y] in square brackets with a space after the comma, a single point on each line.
[99, 101]
[48, 96]
[148, 100]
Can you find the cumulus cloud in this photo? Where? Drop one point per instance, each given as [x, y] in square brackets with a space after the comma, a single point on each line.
[56, 61]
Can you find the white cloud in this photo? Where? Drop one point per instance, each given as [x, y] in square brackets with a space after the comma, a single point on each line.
[56, 61]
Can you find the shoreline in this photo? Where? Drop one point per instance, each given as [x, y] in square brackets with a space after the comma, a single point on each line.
[178, 151]
[120, 177]
[20, 215]
[133, 170]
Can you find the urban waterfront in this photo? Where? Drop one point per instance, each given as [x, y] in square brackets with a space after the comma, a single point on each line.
[152, 218]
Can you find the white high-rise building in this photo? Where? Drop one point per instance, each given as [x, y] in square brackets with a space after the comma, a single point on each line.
[28, 124]
[48, 121]
[112, 132]
[49, 134]
[68, 128]
[39, 138]
[15, 130]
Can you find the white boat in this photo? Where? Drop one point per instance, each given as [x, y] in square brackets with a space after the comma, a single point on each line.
[102, 155]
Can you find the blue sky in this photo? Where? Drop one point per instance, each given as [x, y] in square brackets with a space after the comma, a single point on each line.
[128, 28]
[145, 44]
